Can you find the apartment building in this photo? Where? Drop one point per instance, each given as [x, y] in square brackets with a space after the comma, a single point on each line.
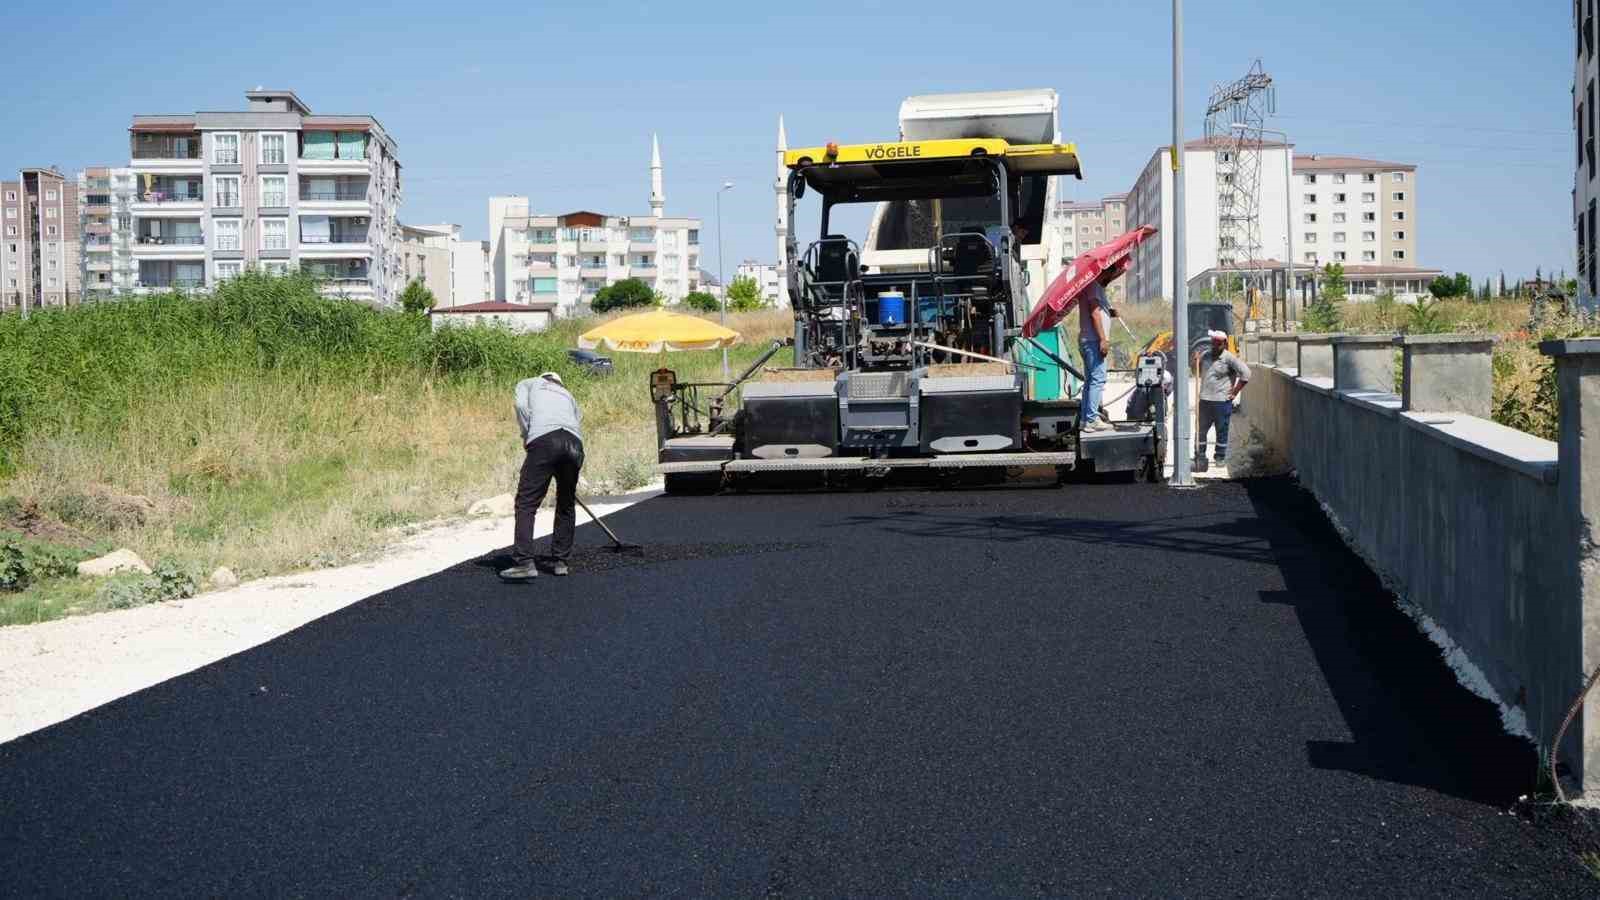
[1344, 209]
[1082, 226]
[272, 186]
[567, 259]
[105, 221]
[765, 275]
[452, 268]
[40, 253]
[1585, 187]
[1354, 211]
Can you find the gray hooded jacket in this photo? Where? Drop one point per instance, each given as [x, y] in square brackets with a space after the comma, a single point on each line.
[544, 406]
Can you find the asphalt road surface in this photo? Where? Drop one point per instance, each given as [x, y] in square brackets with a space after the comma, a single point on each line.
[1121, 690]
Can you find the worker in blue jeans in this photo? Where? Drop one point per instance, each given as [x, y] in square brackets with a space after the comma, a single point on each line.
[1222, 376]
[1094, 343]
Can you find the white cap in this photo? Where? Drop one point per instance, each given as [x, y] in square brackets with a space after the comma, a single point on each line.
[1216, 335]
[554, 377]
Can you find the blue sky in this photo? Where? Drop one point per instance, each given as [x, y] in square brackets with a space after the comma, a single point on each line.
[558, 101]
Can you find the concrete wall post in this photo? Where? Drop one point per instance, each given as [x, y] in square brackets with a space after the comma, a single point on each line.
[1251, 348]
[1578, 398]
[1447, 373]
[1267, 349]
[1316, 355]
[1363, 362]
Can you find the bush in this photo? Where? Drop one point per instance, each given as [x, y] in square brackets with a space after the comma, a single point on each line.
[744, 295]
[416, 298]
[24, 562]
[702, 301]
[627, 293]
[168, 581]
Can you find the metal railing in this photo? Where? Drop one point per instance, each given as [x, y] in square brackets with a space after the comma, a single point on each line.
[178, 240]
[226, 157]
[339, 194]
[167, 152]
[172, 197]
[168, 283]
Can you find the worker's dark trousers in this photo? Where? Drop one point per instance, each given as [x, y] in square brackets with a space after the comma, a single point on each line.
[1220, 414]
[557, 454]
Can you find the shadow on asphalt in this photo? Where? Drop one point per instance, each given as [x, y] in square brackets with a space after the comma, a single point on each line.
[1412, 721]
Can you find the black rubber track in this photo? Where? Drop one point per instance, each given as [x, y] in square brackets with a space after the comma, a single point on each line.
[1109, 689]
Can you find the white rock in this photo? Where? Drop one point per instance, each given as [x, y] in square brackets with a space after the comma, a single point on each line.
[123, 560]
[502, 505]
[223, 577]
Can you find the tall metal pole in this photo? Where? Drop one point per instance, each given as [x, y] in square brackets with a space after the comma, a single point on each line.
[1181, 475]
[1288, 219]
[722, 317]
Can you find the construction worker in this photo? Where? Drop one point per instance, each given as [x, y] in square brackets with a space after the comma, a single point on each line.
[548, 417]
[1222, 377]
[1094, 343]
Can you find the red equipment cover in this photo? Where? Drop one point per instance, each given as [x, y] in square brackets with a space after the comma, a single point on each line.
[1063, 293]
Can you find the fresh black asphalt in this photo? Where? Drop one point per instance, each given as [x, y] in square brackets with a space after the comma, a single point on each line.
[1099, 689]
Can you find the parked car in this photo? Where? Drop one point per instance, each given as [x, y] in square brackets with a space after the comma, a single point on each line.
[592, 362]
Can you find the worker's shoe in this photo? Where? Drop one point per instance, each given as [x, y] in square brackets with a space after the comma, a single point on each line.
[519, 573]
[1097, 426]
[559, 568]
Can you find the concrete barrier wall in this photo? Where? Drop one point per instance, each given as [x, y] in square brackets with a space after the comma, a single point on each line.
[1470, 523]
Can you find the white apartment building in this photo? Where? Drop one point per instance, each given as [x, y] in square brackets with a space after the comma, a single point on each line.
[765, 275]
[567, 259]
[272, 187]
[1344, 209]
[453, 269]
[1585, 187]
[105, 220]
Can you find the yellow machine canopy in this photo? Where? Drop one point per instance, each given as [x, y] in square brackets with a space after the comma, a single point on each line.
[906, 169]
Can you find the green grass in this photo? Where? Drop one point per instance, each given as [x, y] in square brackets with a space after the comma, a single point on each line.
[268, 429]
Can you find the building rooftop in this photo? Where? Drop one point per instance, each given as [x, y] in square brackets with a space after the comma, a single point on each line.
[1349, 268]
[1317, 162]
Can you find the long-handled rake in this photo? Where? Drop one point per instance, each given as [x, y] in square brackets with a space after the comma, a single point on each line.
[617, 544]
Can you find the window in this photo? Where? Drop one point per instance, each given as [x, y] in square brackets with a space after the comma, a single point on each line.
[275, 267]
[1369, 198]
[1340, 198]
[274, 234]
[11, 231]
[50, 195]
[543, 285]
[1369, 217]
[1399, 196]
[694, 235]
[1338, 237]
[50, 230]
[227, 191]
[1311, 258]
[1399, 215]
[52, 281]
[1368, 178]
[1310, 198]
[1369, 256]
[1399, 235]
[1338, 218]
[1369, 236]
[50, 212]
[1311, 218]
[225, 149]
[226, 270]
[227, 233]
[1399, 178]
[11, 195]
[273, 152]
[1311, 179]
[274, 190]
[52, 263]
[11, 212]
[1338, 178]
[1310, 237]
[1338, 256]
[1399, 254]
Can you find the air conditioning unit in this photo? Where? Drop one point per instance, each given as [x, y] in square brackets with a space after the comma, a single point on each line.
[361, 220]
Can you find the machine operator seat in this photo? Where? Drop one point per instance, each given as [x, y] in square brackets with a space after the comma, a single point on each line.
[837, 260]
[967, 254]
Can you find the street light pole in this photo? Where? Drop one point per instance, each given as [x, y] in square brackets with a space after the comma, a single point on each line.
[722, 317]
[1288, 219]
[1181, 476]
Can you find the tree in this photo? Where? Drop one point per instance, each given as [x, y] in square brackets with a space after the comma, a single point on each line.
[744, 295]
[1502, 283]
[1323, 314]
[702, 301]
[1446, 286]
[625, 294]
[416, 298]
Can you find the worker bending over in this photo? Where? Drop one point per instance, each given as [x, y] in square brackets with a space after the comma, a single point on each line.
[548, 418]
[1222, 377]
[1094, 342]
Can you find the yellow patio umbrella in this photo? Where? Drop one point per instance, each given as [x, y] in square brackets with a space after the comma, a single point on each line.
[658, 331]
